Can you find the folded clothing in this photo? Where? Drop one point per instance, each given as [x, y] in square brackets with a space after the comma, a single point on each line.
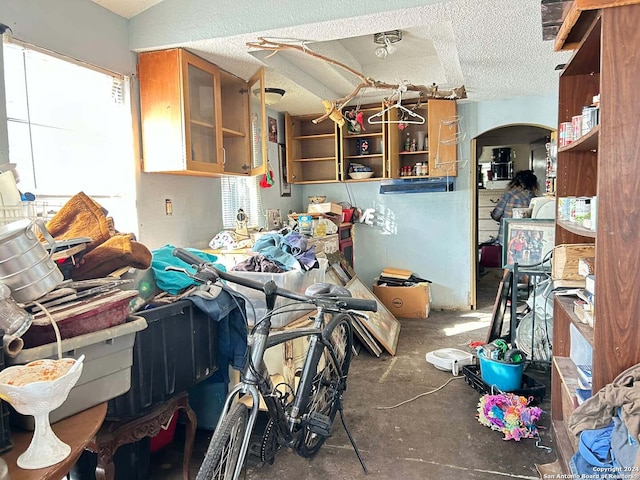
[116, 252]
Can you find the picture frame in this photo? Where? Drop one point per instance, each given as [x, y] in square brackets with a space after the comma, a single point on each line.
[528, 242]
[273, 129]
[382, 325]
[285, 186]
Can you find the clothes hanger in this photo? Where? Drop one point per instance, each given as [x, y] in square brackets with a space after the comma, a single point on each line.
[415, 118]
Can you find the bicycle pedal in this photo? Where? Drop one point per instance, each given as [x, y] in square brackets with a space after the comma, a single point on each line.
[319, 424]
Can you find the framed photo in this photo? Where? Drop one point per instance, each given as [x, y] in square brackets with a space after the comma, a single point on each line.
[273, 129]
[527, 242]
[285, 187]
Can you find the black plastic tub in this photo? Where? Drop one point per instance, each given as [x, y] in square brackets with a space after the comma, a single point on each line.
[178, 349]
[529, 388]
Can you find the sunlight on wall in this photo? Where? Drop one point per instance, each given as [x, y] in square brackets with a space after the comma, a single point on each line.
[385, 220]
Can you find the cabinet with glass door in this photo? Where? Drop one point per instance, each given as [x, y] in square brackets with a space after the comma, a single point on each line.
[195, 117]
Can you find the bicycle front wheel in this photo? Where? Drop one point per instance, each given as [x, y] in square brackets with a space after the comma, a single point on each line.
[329, 380]
[224, 449]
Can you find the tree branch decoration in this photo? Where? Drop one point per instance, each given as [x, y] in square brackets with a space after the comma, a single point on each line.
[333, 109]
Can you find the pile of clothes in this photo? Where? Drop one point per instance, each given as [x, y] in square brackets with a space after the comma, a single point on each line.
[279, 253]
[108, 250]
[608, 424]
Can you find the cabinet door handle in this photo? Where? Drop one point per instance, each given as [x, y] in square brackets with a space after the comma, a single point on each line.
[224, 156]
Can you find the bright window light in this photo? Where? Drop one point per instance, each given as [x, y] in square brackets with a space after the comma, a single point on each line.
[69, 127]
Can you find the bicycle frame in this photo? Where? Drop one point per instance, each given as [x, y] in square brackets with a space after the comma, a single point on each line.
[256, 380]
[261, 384]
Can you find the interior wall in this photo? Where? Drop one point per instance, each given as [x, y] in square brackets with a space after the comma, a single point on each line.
[88, 32]
[428, 233]
[431, 233]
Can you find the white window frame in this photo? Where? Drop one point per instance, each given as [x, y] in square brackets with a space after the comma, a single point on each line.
[241, 192]
[120, 201]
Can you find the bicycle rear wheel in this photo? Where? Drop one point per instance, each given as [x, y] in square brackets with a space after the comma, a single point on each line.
[329, 380]
[224, 449]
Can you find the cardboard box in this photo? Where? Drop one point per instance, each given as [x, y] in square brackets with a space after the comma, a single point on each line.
[405, 302]
[329, 208]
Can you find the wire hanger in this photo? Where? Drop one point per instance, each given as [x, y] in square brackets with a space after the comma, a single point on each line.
[414, 118]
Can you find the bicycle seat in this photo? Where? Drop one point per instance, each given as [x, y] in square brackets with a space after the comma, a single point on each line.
[326, 290]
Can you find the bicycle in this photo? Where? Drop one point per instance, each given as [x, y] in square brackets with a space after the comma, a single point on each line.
[299, 417]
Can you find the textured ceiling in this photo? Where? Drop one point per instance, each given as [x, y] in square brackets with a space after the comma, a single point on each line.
[492, 47]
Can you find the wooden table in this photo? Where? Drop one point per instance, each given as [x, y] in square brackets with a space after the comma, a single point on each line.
[114, 434]
[76, 431]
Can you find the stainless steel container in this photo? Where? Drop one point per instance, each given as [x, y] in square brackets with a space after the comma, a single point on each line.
[25, 265]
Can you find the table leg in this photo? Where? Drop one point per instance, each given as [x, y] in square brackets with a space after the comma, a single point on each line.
[189, 440]
[105, 469]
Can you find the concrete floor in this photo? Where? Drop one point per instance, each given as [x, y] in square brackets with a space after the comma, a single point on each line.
[436, 436]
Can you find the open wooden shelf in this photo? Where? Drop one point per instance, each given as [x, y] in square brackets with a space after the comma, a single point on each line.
[587, 142]
[577, 229]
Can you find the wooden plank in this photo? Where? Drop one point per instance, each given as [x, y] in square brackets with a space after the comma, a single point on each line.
[72, 309]
[365, 337]
[581, 13]
[564, 448]
[69, 252]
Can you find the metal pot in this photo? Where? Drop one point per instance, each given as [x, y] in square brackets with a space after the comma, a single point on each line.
[25, 265]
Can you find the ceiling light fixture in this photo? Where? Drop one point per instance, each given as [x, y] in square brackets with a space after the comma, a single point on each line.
[387, 40]
[271, 95]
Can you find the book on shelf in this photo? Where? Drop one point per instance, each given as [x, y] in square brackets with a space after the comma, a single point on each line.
[590, 284]
[579, 308]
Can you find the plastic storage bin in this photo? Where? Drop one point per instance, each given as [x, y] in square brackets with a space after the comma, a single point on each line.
[106, 372]
[503, 375]
[529, 387]
[291, 280]
[178, 349]
[207, 399]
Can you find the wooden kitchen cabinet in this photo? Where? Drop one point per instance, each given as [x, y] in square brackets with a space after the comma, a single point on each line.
[196, 118]
[604, 163]
[312, 149]
[440, 131]
[366, 148]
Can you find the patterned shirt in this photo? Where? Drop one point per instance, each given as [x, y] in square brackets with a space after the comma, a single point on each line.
[515, 198]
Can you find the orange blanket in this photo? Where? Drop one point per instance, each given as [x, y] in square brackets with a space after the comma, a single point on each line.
[117, 252]
[108, 251]
[81, 216]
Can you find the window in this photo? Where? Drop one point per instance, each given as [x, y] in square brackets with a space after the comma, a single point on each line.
[244, 193]
[69, 127]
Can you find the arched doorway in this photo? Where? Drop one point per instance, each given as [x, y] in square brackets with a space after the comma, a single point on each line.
[526, 146]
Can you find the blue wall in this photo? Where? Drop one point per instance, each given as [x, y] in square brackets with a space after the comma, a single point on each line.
[431, 233]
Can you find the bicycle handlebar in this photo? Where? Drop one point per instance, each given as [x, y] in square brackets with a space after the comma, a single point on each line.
[270, 287]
